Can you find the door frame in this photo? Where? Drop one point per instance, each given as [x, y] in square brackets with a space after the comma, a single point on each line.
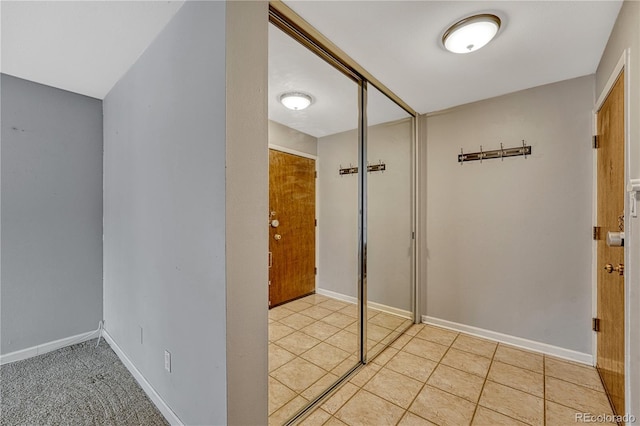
[315, 158]
[622, 65]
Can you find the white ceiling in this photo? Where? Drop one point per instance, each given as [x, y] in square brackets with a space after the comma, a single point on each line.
[79, 46]
[86, 46]
[399, 43]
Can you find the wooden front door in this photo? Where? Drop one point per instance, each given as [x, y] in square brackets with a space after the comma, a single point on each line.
[292, 232]
[610, 153]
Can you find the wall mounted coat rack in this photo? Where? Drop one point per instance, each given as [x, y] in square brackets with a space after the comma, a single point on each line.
[380, 167]
[501, 153]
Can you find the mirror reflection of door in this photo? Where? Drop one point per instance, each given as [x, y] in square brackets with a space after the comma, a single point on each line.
[610, 214]
[292, 230]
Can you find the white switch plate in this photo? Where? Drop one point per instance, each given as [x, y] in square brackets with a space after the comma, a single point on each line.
[167, 361]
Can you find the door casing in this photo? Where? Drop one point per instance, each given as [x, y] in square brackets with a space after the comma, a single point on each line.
[621, 66]
[611, 194]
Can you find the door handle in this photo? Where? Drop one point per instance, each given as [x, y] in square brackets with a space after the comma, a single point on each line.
[270, 259]
[610, 268]
[615, 239]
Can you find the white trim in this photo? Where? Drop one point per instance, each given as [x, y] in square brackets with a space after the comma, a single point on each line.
[46, 347]
[157, 400]
[292, 151]
[612, 79]
[373, 305]
[531, 345]
[390, 310]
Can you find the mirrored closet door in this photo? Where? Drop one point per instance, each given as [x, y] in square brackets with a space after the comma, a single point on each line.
[340, 221]
[314, 329]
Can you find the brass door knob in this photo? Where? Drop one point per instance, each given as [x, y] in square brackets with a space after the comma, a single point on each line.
[610, 268]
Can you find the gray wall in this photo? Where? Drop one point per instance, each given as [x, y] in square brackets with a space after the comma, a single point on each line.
[287, 137]
[164, 213]
[51, 214]
[626, 35]
[389, 242]
[508, 242]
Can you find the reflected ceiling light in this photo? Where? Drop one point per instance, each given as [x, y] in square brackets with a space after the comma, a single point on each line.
[472, 33]
[295, 100]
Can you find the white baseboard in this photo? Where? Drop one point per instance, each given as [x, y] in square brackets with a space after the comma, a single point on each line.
[530, 345]
[391, 310]
[157, 400]
[46, 347]
[373, 305]
[339, 296]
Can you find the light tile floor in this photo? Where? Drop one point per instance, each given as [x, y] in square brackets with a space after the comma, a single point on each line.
[312, 342]
[429, 376]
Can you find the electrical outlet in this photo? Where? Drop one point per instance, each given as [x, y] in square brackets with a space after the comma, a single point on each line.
[167, 361]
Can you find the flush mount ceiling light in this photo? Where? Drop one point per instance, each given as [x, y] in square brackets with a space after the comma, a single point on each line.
[295, 100]
[472, 33]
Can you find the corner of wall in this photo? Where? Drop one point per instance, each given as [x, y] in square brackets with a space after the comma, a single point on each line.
[246, 201]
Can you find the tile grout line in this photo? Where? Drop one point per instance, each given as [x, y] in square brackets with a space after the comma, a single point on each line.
[423, 385]
[296, 394]
[510, 387]
[565, 405]
[430, 374]
[520, 366]
[486, 377]
[344, 403]
[576, 384]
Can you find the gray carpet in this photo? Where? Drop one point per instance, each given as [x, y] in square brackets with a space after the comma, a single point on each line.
[76, 385]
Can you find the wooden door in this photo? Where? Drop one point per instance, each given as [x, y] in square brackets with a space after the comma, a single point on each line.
[292, 238]
[610, 354]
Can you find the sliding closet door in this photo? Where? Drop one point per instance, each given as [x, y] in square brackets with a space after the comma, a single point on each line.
[389, 201]
[314, 333]
[361, 143]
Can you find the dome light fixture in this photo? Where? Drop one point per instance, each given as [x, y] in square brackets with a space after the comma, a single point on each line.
[295, 100]
[471, 33]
